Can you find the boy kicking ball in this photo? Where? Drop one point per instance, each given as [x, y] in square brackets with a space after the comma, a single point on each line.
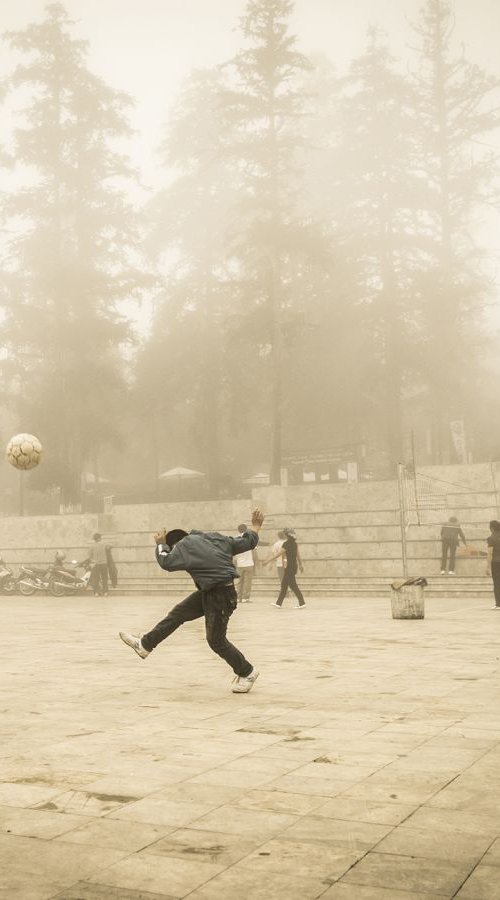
[208, 557]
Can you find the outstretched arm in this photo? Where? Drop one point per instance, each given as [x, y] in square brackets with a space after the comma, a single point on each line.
[274, 556]
[249, 539]
[257, 519]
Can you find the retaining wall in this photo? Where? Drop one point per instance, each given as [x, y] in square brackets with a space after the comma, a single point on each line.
[343, 529]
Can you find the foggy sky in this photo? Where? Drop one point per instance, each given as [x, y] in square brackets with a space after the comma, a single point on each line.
[147, 47]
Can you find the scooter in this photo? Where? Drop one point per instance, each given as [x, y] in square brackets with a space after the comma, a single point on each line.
[33, 579]
[65, 579]
[7, 580]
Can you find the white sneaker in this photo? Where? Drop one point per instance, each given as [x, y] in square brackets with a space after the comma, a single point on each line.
[276, 604]
[132, 640]
[451, 573]
[443, 571]
[300, 606]
[495, 607]
[244, 685]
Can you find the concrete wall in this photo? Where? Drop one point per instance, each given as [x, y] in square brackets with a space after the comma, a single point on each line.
[32, 534]
[315, 498]
[343, 529]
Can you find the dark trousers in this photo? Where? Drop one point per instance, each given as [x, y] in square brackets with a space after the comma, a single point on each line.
[100, 578]
[289, 581]
[280, 570]
[217, 605]
[448, 547]
[495, 574]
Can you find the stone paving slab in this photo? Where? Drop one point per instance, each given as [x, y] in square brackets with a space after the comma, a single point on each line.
[483, 884]
[85, 891]
[343, 891]
[412, 873]
[364, 765]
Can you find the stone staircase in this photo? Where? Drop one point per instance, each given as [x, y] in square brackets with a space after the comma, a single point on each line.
[173, 587]
[349, 537]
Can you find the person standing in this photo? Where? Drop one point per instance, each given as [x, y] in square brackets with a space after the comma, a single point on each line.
[246, 564]
[98, 557]
[451, 535]
[493, 564]
[208, 558]
[289, 550]
[112, 571]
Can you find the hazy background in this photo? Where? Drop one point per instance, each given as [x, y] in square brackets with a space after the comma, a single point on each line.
[147, 47]
[367, 347]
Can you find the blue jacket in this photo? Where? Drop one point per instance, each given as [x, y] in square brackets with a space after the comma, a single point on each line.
[207, 556]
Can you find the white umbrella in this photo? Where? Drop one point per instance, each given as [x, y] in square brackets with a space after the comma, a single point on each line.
[182, 472]
[89, 478]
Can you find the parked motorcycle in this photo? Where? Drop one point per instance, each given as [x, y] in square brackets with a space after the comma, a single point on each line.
[66, 580]
[33, 579]
[7, 580]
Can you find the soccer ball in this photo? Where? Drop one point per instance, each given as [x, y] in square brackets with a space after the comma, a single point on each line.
[24, 451]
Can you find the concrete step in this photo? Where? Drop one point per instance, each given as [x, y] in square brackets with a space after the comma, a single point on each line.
[320, 588]
[329, 567]
[443, 583]
[487, 596]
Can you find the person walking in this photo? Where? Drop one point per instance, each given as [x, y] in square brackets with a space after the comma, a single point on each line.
[98, 557]
[208, 558]
[493, 564]
[451, 535]
[290, 551]
[280, 560]
[246, 564]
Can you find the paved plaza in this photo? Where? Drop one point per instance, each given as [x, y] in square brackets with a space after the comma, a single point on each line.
[364, 765]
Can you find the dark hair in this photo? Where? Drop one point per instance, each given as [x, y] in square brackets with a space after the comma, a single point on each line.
[173, 537]
[242, 528]
[494, 525]
[282, 535]
[453, 519]
[96, 536]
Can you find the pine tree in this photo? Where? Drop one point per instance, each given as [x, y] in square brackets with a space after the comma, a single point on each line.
[189, 219]
[456, 111]
[263, 109]
[375, 195]
[70, 260]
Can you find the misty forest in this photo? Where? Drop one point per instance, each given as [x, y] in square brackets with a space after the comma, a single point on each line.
[312, 263]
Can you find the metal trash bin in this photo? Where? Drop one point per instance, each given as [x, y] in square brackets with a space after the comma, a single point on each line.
[407, 601]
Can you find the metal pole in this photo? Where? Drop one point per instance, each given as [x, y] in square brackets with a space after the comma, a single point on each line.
[21, 493]
[402, 522]
[414, 466]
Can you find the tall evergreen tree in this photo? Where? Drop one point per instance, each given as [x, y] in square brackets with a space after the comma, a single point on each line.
[70, 260]
[189, 220]
[263, 108]
[375, 195]
[456, 111]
